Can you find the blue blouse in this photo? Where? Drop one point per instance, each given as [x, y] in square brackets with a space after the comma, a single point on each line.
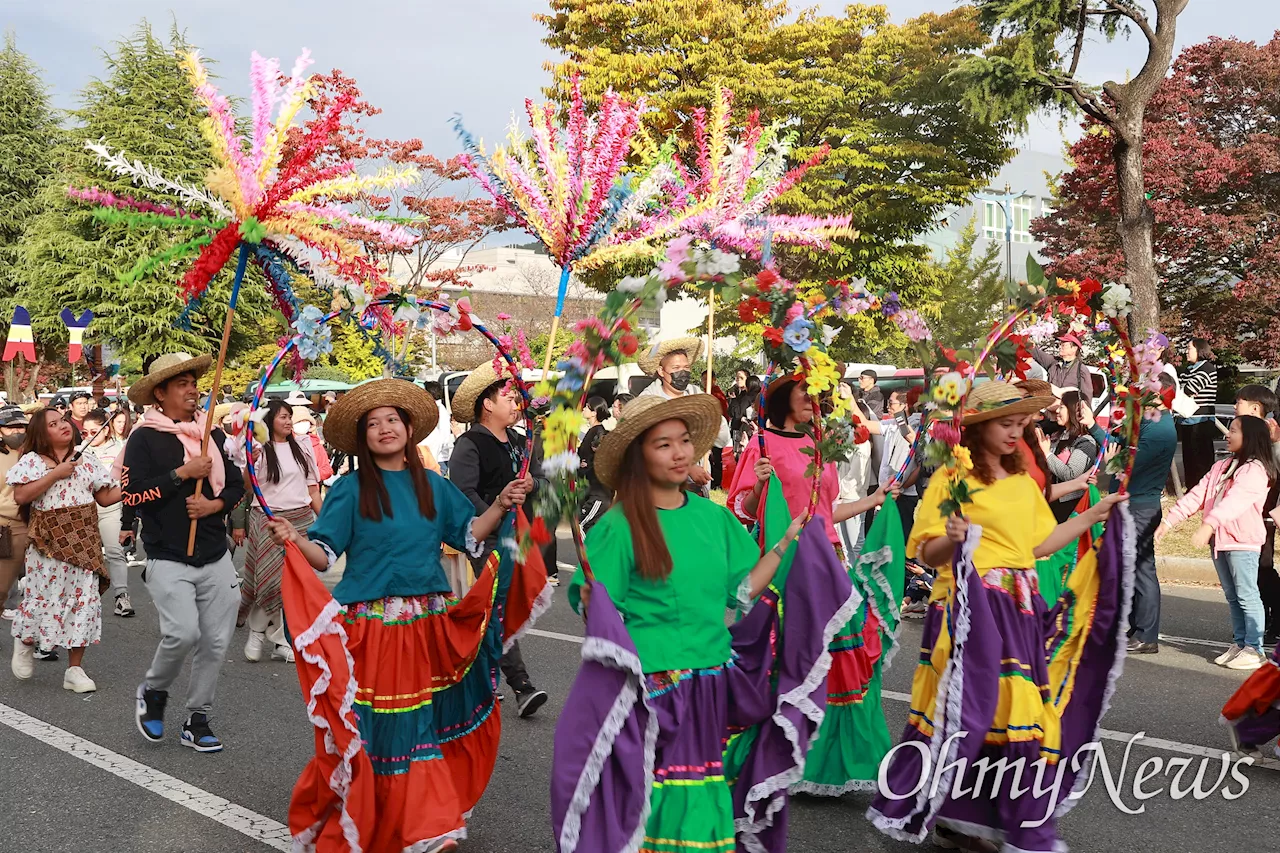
[399, 555]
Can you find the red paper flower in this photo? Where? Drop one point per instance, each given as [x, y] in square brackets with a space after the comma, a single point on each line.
[861, 435]
[766, 279]
[464, 314]
[539, 533]
[773, 336]
[628, 344]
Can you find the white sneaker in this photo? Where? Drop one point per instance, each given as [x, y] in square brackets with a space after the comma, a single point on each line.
[8, 614]
[24, 660]
[76, 680]
[1247, 660]
[255, 646]
[1226, 657]
[282, 652]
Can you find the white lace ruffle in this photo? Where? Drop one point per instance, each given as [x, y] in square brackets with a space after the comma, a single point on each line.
[798, 697]
[330, 558]
[602, 651]
[473, 547]
[541, 605]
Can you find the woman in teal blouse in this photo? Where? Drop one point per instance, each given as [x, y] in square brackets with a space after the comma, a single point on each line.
[425, 660]
[672, 562]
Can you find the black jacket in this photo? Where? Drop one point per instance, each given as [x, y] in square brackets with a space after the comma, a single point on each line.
[151, 490]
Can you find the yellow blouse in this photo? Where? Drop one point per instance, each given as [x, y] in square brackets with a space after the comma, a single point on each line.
[1013, 513]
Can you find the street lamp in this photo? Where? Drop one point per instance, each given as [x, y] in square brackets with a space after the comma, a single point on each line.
[1006, 205]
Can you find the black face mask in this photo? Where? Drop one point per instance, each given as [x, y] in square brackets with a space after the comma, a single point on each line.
[13, 442]
[680, 379]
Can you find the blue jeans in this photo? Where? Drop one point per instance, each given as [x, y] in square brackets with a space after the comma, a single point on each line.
[1238, 573]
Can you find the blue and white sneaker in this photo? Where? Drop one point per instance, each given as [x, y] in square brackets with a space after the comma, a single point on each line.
[150, 713]
[197, 734]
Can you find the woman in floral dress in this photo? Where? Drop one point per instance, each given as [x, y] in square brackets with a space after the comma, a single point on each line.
[61, 604]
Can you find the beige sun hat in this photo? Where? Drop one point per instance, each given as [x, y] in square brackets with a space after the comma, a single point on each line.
[344, 415]
[303, 414]
[463, 403]
[700, 413]
[652, 360]
[165, 368]
[997, 399]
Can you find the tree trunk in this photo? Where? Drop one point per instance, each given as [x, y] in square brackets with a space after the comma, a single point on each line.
[1137, 232]
[33, 389]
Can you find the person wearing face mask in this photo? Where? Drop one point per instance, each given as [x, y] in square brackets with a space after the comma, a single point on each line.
[13, 530]
[305, 431]
[670, 362]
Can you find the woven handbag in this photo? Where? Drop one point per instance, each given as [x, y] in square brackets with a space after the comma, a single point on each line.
[69, 534]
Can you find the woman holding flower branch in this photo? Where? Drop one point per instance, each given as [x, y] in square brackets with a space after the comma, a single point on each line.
[1003, 676]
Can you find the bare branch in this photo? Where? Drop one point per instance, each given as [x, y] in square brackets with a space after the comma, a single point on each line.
[1081, 25]
[1133, 13]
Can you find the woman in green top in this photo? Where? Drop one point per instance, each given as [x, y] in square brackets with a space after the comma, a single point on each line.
[672, 562]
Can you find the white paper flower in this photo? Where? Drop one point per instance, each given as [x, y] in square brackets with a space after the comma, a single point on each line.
[1117, 301]
[561, 465]
[715, 262]
[632, 284]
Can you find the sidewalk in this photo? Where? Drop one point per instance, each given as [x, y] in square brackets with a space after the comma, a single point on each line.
[1192, 570]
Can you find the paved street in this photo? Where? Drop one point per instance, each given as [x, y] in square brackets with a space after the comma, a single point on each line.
[78, 777]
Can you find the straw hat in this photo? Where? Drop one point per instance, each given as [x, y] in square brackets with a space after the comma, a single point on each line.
[780, 381]
[165, 368]
[463, 404]
[700, 412]
[997, 399]
[1036, 388]
[652, 360]
[221, 410]
[340, 425]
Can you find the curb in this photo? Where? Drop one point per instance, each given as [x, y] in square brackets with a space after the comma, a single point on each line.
[1186, 570]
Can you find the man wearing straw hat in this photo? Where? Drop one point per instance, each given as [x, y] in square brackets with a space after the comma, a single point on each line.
[669, 362]
[196, 596]
[485, 459]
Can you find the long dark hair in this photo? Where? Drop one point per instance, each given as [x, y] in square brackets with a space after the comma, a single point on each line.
[269, 448]
[374, 499]
[128, 423]
[653, 557]
[1074, 428]
[1204, 350]
[1012, 463]
[777, 405]
[1255, 445]
[37, 441]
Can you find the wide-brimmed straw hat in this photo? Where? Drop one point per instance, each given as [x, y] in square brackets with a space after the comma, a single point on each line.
[652, 360]
[997, 399]
[1036, 388]
[344, 415]
[165, 368]
[463, 403]
[700, 413]
[775, 384]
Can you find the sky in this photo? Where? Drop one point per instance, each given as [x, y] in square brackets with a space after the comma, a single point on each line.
[424, 61]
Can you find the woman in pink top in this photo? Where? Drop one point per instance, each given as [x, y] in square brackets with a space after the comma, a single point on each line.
[788, 408]
[289, 477]
[853, 736]
[1231, 497]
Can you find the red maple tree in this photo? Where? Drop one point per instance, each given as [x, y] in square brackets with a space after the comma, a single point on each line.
[1211, 158]
[442, 216]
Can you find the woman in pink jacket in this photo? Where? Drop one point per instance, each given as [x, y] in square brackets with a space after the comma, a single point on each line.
[1231, 496]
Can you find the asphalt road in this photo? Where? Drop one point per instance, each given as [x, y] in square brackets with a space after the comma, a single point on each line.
[76, 775]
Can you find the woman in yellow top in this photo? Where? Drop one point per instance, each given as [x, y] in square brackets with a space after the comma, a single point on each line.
[1002, 676]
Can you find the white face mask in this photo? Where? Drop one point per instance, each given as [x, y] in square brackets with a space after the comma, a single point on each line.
[301, 428]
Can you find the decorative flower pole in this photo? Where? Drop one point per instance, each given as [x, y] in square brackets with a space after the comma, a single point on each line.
[279, 212]
[562, 185]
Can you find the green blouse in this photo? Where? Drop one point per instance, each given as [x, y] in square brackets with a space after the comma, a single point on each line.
[679, 622]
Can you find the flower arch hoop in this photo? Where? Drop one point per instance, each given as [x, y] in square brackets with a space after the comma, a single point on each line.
[1105, 310]
[367, 320]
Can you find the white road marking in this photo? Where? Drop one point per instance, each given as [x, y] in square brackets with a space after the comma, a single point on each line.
[1105, 734]
[258, 827]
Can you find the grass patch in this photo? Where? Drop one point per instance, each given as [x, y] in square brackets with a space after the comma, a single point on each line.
[720, 496]
[1178, 542]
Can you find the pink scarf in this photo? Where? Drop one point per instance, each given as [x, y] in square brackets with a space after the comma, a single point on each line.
[190, 433]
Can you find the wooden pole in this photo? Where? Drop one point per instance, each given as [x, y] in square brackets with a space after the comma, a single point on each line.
[217, 380]
[551, 342]
[711, 325]
[561, 291]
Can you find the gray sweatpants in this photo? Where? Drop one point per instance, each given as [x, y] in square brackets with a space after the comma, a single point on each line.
[197, 607]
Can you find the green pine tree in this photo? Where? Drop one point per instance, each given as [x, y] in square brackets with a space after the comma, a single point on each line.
[144, 107]
[28, 133]
[973, 292]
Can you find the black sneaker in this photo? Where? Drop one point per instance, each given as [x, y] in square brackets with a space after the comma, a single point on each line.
[150, 712]
[197, 734]
[529, 699]
[46, 654]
